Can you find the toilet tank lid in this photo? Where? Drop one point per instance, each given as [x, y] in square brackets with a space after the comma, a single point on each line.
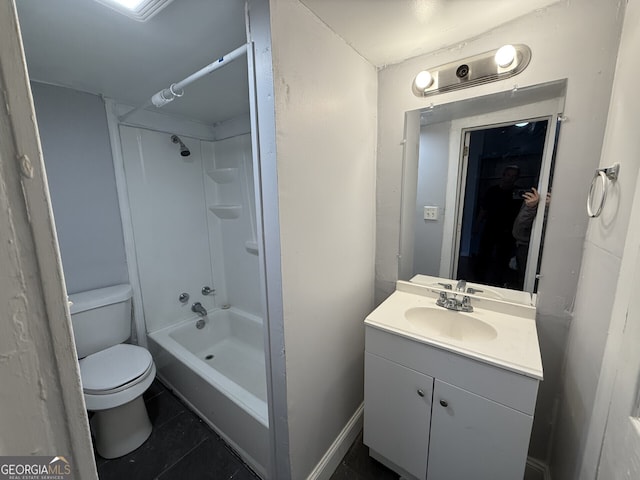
[83, 301]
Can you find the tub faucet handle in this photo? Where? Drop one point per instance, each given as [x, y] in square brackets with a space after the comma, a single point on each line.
[207, 290]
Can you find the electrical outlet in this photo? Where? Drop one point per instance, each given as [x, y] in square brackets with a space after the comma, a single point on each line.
[431, 213]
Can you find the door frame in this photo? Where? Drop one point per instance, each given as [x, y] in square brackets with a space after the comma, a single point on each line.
[542, 187]
[39, 338]
[548, 108]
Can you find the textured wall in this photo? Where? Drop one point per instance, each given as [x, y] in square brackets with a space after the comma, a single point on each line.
[588, 380]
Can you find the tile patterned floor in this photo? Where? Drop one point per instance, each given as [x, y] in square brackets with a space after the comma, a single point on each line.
[181, 446]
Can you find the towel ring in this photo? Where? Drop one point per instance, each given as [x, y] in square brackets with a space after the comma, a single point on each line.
[604, 174]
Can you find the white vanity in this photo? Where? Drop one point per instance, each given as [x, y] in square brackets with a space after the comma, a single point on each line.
[450, 394]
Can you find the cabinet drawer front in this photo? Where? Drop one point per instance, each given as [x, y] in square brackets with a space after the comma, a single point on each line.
[397, 413]
[473, 437]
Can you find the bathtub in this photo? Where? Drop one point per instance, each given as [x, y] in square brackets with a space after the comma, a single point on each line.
[219, 371]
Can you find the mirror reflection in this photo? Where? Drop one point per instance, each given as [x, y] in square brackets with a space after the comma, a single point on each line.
[477, 183]
[499, 204]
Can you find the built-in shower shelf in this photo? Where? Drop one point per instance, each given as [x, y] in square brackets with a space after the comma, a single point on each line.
[251, 247]
[226, 212]
[223, 175]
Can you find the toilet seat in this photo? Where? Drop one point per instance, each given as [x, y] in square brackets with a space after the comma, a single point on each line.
[116, 375]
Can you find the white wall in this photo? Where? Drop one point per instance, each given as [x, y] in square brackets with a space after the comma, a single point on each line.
[325, 104]
[75, 143]
[573, 40]
[583, 413]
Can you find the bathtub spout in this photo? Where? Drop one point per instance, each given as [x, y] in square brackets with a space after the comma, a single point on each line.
[199, 309]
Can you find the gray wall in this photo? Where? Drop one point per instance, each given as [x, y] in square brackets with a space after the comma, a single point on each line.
[77, 156]
[432, 190]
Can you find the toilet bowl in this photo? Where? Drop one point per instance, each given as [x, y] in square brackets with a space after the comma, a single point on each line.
[114, 374]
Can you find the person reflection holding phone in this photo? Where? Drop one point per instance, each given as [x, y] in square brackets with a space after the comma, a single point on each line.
[498, 210]
[522, 227]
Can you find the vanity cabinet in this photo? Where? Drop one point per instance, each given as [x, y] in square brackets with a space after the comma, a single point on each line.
[434, 414]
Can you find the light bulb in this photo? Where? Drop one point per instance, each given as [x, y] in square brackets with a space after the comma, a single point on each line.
[423, 80]
[505, 56]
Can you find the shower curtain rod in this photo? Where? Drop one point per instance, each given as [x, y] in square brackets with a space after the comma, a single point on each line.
[175, 90]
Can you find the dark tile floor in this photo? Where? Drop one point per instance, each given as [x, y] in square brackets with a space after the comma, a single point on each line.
[181, 446]
[358, 465]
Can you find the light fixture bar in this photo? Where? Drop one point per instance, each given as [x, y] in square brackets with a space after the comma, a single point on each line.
[498, 64]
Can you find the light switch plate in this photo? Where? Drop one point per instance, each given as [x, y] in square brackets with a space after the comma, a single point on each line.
[430, 213]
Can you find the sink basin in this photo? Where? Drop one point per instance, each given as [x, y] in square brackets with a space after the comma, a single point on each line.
[448, 323]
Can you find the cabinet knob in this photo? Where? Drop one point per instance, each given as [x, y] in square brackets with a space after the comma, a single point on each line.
[420, 392]
[444, 403]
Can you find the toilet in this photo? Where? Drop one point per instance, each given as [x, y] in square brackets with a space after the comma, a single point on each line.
[114, 374]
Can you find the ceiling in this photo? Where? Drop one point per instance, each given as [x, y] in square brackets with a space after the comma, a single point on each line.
[89, 47]
[407, 28]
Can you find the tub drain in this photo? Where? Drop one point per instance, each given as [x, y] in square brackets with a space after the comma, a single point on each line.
[208, 357]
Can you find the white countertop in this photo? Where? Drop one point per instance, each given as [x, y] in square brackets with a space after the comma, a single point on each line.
[515, 347]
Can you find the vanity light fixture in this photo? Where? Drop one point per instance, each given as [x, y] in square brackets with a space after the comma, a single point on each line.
[140, 10]
[505, 62]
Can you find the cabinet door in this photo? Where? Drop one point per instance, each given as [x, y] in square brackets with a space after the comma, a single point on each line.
[472, 437]
[397, 413]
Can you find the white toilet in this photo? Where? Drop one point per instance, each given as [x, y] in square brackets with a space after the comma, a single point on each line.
[114, 374]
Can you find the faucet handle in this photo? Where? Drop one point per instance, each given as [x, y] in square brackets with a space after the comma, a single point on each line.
[466, 304]
[442, 299]
[207, 290]
[447, 286]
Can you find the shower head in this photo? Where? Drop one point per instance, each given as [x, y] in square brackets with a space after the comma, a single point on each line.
[184, 151]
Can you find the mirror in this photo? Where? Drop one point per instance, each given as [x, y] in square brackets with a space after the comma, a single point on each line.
[477, 184]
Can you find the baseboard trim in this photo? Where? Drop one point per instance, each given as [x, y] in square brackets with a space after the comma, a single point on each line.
[338, 449]
[540, 467]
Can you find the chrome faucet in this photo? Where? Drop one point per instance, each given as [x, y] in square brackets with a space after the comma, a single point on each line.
[461, 285]
[453, 303]
[199, 309]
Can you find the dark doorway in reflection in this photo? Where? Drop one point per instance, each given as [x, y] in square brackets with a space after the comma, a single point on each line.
[501, 164]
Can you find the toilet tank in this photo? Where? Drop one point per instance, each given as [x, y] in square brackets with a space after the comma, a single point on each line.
[101, 318]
